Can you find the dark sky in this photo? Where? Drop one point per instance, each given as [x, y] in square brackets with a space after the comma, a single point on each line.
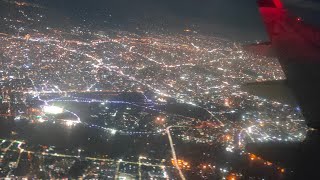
[237, 20]
[234, 19]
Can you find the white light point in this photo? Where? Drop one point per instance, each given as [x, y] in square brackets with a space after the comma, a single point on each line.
[113, 131]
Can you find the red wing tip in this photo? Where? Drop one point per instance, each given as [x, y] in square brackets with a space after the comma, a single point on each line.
[270, 3]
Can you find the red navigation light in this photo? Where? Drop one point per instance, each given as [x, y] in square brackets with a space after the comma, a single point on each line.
[299, 19]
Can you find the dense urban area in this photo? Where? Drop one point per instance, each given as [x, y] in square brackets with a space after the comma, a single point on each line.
[111, 103]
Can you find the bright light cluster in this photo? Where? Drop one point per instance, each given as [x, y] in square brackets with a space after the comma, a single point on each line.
[52, 110]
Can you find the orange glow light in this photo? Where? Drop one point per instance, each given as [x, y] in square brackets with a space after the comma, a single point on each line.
[252, 157]
[232, 177]
[181, 163]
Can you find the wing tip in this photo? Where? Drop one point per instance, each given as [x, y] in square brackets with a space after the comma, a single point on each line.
[270, 3]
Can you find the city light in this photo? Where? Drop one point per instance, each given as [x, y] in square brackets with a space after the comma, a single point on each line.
[165, 95]
[52, 110]
[113, 131]
[41, 120]
[70, 123]
[181, 163]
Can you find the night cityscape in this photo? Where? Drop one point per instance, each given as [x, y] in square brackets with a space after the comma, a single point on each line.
[81, 101]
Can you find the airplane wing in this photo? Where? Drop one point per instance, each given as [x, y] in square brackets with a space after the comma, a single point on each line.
[297, 47]
[272, 90]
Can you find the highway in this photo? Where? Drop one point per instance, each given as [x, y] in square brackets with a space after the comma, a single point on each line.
[174, 156]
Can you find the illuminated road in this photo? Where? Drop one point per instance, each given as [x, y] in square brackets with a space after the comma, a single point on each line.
[174, 156]
[20, 153]
[116, 177]
[139, 167]
[7, 148]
